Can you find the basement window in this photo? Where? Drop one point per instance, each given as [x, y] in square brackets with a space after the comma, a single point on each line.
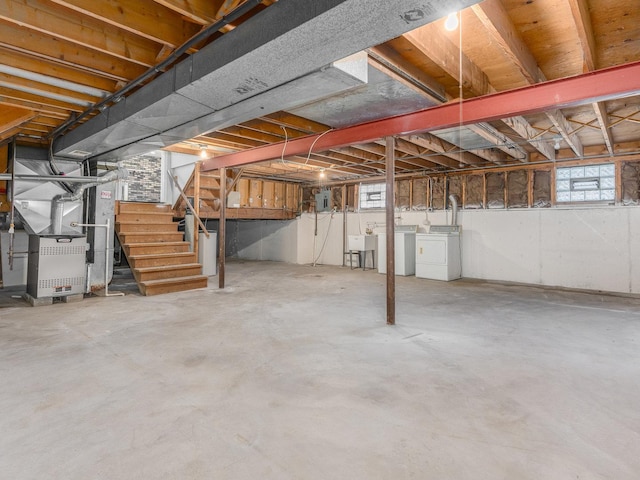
[372, 195]
[590, 183]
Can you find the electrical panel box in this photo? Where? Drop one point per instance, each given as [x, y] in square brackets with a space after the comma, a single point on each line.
[323, 201]
[57, 266]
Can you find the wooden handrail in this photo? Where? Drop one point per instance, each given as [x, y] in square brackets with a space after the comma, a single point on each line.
[186, 200]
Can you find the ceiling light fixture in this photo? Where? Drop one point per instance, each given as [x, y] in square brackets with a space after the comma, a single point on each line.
[203, 151]
[451, 23]
[556, 146]
[322, 174]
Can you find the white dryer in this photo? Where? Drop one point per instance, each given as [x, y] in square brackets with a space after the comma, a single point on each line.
[438, 253]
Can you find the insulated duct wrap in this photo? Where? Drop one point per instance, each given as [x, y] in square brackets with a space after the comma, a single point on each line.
[270, 61]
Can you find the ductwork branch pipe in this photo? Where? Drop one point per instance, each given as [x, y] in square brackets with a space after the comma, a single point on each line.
[76, 194]
[454, 207]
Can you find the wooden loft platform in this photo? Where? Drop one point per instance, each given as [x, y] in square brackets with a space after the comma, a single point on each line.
[247, 198]
[246, 214]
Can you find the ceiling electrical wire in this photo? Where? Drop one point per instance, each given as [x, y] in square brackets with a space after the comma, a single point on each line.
[284, 147]
[314, 144]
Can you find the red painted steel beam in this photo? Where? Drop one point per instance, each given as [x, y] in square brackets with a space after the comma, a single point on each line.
[616, 82]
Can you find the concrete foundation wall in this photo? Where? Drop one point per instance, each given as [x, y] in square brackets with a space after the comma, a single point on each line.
[263, 240]
[585, 248]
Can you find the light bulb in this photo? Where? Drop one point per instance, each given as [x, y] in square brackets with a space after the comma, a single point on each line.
[451, 23]
[203, 151]
[322, 173]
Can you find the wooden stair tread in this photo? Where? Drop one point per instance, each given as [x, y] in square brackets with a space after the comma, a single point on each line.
[164, 268]
[134, 235]
[158, 244]
[139, 224]
[161, 255]
[166, 281]
[157, 252]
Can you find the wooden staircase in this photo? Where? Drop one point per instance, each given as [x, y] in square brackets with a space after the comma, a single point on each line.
[156, 251]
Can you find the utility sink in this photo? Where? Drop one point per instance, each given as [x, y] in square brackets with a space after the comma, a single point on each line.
[361, 242]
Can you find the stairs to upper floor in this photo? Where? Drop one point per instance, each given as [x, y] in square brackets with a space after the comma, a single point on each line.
[160, 259]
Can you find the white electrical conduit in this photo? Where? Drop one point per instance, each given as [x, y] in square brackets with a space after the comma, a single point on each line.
[107, 227]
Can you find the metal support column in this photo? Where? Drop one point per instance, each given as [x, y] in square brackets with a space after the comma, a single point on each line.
[391, 232]
[222, 225]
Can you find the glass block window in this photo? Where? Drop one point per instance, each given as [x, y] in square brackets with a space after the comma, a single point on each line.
[372, 195]
[590, 183]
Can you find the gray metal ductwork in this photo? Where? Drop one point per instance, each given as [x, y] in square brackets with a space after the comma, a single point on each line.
[454, 209]
[58, 202]
[273, 61]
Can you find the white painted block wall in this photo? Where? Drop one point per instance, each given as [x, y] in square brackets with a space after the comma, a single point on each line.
[586, 248]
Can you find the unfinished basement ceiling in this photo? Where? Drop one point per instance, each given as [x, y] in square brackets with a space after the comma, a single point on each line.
[57, 57]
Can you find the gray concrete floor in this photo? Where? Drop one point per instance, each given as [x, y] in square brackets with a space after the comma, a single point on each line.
[291, 373]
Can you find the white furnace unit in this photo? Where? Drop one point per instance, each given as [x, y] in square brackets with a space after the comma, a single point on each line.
[438, 255]
[56, 266]
[405, 248]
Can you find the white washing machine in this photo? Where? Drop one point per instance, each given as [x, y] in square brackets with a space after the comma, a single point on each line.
[438, 255]
[405, 248]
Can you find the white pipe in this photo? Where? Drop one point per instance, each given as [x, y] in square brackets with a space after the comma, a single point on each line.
[107, 226]
[50, 178]
[59, 200]
[454, 207]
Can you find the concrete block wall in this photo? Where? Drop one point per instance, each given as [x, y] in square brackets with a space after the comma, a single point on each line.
[593, 248]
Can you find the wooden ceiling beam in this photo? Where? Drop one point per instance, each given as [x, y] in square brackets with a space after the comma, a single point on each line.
[251, 134]
[449, 150]
[500, 141]
[75, 28]
[5, 135]
[43, 87]
[584, 27]
[444, 53]
[524, 129]
[414, 150]
[474, 81]
[45, 121]
[582, 21]
[495, 19]
[600, 110]
[37, 102]
[13, 117]
[201, 12]
[386, 60]
[320, 161]
[563, 126]
[67, 53]
[615, 82]
[274, 128]
[52, 69]
[290, 120]
[142, 17]
[254, 137]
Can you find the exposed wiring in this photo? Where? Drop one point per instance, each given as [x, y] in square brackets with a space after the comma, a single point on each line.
[314, 144]
[324, 243]
[284, 147]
